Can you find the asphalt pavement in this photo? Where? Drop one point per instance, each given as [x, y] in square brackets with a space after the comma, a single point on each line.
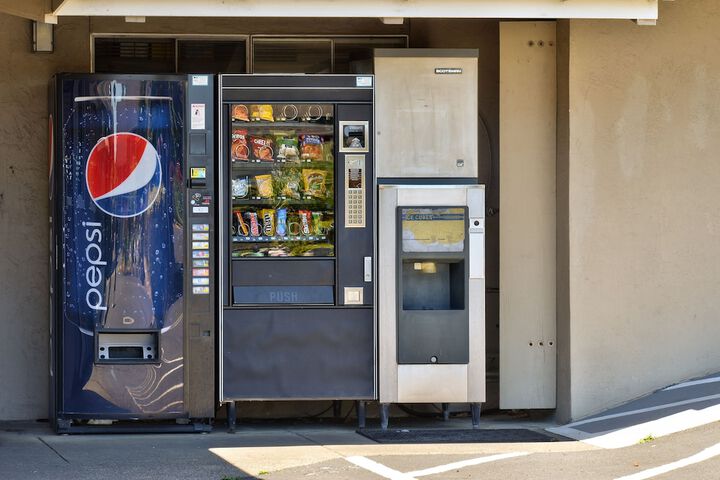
[327, 450]
[672, 433]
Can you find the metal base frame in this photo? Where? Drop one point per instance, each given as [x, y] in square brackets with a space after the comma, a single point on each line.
[337, 408]
[474, 407]
[65, 426]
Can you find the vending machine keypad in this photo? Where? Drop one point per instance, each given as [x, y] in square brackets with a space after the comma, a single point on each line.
[354, 191]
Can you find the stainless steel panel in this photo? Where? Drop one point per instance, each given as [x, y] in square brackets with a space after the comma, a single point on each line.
[427, 120]
[432, 383]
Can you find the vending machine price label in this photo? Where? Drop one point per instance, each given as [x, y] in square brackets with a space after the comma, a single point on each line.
[200, 80]
[363, 81]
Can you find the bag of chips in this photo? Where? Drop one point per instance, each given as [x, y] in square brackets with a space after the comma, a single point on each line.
[240, 187]
[311, 147]
[262, 148]
[268, 220]
[287, 182]
[314, 180]
[287, 149]
[239, 149]
[262, 112]
[240, 113]
[264, 185]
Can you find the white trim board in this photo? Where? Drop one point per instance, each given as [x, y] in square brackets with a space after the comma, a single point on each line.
[537, 9]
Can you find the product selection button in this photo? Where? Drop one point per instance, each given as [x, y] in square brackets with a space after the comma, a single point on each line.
[200, 227]
[201, 236]
[201, 290]
[200, 263]
[201, 254]
[201, 281]
[201, 272]
[200, 245]
[200, 209]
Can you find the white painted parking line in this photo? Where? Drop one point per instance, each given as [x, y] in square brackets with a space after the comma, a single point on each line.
[692, 383]
[378, 468]
[465, 463]
[706, 454]
[387, 472]
[644, 410]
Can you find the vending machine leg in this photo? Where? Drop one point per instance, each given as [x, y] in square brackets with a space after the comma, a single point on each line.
[475, 415]
[446, 411]
[360, 404]
[384, 415]
[231, 417]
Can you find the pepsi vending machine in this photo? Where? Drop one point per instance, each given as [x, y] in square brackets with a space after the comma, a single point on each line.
[132, 282]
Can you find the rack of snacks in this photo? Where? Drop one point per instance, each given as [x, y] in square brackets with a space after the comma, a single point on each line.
[282, 180]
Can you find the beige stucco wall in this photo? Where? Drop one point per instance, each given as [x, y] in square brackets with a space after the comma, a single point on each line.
[24, 233]
[644, 203]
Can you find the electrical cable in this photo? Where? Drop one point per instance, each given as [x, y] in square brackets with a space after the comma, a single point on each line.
[491, 153]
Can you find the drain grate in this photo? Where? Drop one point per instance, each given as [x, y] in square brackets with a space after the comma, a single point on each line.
[504, 435]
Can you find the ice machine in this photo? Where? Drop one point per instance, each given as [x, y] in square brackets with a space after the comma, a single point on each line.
[431, 230]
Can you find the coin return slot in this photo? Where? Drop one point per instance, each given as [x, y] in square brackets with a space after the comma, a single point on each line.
[127, 347]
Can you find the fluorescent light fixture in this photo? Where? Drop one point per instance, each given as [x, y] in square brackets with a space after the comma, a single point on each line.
[43, 37]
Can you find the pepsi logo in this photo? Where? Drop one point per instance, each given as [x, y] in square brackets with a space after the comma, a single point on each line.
[123, 174]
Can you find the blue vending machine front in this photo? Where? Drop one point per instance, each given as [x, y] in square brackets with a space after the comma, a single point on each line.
[118, 197]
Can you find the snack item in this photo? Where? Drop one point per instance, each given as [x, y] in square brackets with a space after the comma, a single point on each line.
[317, 225]
[268, 220]
[262, 112]
[314, 181]
[311, 147]
[254, 225]
[240, 187]
[281, 228]
[239, 149]
[287, 182]
[294, 225]
[264, 185]
[240, 113]
[287, 149]
[262, 148]
[242, 228]
[305, 222]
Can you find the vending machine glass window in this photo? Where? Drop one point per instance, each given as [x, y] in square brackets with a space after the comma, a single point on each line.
[282, 177]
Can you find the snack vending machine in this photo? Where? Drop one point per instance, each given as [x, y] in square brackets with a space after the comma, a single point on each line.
[431, 230]
[131, 251]
[297, 234]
